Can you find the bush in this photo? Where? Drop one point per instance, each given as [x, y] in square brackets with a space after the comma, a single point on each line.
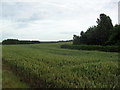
[92, 47]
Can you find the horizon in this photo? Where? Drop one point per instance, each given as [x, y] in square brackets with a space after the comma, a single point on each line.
[35, 40]
[52, 20]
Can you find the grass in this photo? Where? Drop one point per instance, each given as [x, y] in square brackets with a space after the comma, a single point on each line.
[10, 80]
[47, 65]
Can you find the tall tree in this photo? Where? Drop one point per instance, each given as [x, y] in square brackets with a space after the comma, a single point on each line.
[97, 35]
[76, 39]
[115, 36]
[104, 28]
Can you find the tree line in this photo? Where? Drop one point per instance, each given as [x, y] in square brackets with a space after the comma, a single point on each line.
[16, 41]
[104, 33]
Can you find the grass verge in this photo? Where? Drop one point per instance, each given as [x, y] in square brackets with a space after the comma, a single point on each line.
[10, 80]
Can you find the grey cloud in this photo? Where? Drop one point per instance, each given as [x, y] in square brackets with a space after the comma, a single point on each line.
[59, 17]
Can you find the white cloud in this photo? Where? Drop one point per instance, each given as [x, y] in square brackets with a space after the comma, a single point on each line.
[52, 19]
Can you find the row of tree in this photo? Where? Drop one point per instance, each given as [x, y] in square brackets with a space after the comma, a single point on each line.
[104, 33]
[16, 41]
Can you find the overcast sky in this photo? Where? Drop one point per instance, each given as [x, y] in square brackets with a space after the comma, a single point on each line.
[48, 20]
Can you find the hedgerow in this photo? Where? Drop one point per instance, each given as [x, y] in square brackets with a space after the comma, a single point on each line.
[92, 47]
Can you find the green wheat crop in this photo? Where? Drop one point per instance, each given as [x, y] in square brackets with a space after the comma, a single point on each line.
[48, 65]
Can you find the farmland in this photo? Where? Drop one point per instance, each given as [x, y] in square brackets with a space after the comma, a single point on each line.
[10, 80]
[48, 65]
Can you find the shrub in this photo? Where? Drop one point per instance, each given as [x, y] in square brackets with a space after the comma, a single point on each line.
[92, 47]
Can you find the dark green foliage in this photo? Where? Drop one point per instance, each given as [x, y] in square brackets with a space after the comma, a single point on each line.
[102, 34]
[115, 36]
[89, 37]
[104, 28]
[16, 41]
[76, 39]
[10, 41]
[92, 47]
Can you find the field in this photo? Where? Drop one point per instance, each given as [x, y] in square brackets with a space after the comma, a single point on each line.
[48, 65]
[10, 80]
